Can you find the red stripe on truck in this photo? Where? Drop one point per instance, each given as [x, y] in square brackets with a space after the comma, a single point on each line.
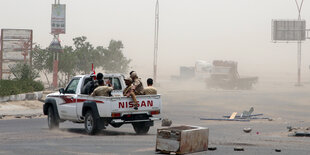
[69, 99]
[148, 103]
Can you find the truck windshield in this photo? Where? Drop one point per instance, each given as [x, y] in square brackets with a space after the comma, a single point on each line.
[71, 88]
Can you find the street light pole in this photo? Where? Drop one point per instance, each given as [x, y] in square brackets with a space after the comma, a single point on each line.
[156, 41]
[299, 46]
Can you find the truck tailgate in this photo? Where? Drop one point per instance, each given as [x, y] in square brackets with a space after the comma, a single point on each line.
[124, 105]
[146, 103]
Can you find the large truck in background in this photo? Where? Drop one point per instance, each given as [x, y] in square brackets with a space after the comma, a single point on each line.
[218, 74]
[224, 74]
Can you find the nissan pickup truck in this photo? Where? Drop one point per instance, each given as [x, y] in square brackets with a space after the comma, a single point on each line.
[69, 104]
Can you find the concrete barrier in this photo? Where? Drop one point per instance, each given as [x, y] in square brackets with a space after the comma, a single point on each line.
[182, 139]
[22, 97]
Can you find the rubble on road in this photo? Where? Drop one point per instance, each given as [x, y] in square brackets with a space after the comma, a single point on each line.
[298, 131]
[246, 116]
[238, 149]
[166, 122]
[247, 130]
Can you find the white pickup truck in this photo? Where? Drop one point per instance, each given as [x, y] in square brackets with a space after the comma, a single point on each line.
[98, 112]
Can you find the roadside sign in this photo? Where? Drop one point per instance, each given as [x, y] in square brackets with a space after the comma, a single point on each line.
[288, 30]
[58, 21]
[16, 46]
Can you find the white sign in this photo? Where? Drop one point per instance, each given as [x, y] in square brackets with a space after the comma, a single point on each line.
[16, 48]
[58, 22]
[288, 30]
[12, 34]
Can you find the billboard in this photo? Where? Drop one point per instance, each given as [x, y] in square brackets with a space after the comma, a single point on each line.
[16, 46]
[288, 30]
[58, 20]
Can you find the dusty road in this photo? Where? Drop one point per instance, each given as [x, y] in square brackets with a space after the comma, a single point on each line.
[287, 106]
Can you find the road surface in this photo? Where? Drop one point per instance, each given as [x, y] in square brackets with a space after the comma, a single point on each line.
[287, 107]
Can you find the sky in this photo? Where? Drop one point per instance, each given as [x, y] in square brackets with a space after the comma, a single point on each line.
[189, 30]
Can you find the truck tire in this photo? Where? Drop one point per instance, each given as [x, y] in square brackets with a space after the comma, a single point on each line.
[52, 121]
[91, 123]
[141, 128]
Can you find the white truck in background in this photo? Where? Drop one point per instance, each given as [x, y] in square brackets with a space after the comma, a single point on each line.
[69, 104]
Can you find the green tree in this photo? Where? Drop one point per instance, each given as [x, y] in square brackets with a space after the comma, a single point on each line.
[68, 63]
[23, 71]
[86, 55]
[114, 59]
[42, 61]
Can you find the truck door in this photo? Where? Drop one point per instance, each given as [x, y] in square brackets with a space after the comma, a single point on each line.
[67, 109]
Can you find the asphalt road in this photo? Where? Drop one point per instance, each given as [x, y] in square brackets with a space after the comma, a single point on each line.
[285, 107]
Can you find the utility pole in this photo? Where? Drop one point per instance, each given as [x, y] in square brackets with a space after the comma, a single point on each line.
[156, 41]
[299, 46]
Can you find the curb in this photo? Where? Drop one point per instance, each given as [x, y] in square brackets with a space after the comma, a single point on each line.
[22, 97]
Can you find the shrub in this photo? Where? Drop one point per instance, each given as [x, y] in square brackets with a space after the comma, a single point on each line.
[13, 87]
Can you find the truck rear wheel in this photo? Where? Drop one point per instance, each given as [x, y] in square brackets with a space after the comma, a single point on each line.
[52, 121]
[141, 128]
[91, 123]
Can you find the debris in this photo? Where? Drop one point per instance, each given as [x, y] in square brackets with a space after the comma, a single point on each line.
[247, 130]
[212, 148]
[18, 116]
[225, 119]
[238, 149]
[166, 122]
[28, 116]
[247, 113]
[301, 134]
[278, 150]
[245, 116]
[299, 131]
[233, 115]
[182, 139]
[257, 133]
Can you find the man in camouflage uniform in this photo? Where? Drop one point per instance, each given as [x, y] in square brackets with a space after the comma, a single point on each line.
[137, 84]
[102, 90]
[128, 91]
[150, 90]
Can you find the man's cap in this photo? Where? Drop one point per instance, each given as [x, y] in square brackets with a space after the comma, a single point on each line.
[133, 75]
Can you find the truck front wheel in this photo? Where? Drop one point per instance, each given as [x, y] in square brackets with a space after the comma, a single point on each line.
[52, 121]
[141, 128]
[91, 123]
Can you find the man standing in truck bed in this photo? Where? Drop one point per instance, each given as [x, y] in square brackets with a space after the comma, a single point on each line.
[137, 84]
[128, 91]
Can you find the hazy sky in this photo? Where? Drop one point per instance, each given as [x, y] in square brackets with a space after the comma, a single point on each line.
[190, 30]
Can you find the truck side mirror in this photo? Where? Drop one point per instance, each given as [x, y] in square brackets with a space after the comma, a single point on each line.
[62, 91]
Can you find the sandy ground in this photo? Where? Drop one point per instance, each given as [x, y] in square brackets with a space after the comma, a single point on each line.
[17, 109]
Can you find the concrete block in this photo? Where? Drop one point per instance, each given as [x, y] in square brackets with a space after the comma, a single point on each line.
[4, 98]
[38, 95]
[182, 139]
[30, 96]
[13, 97]
[22, 97]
